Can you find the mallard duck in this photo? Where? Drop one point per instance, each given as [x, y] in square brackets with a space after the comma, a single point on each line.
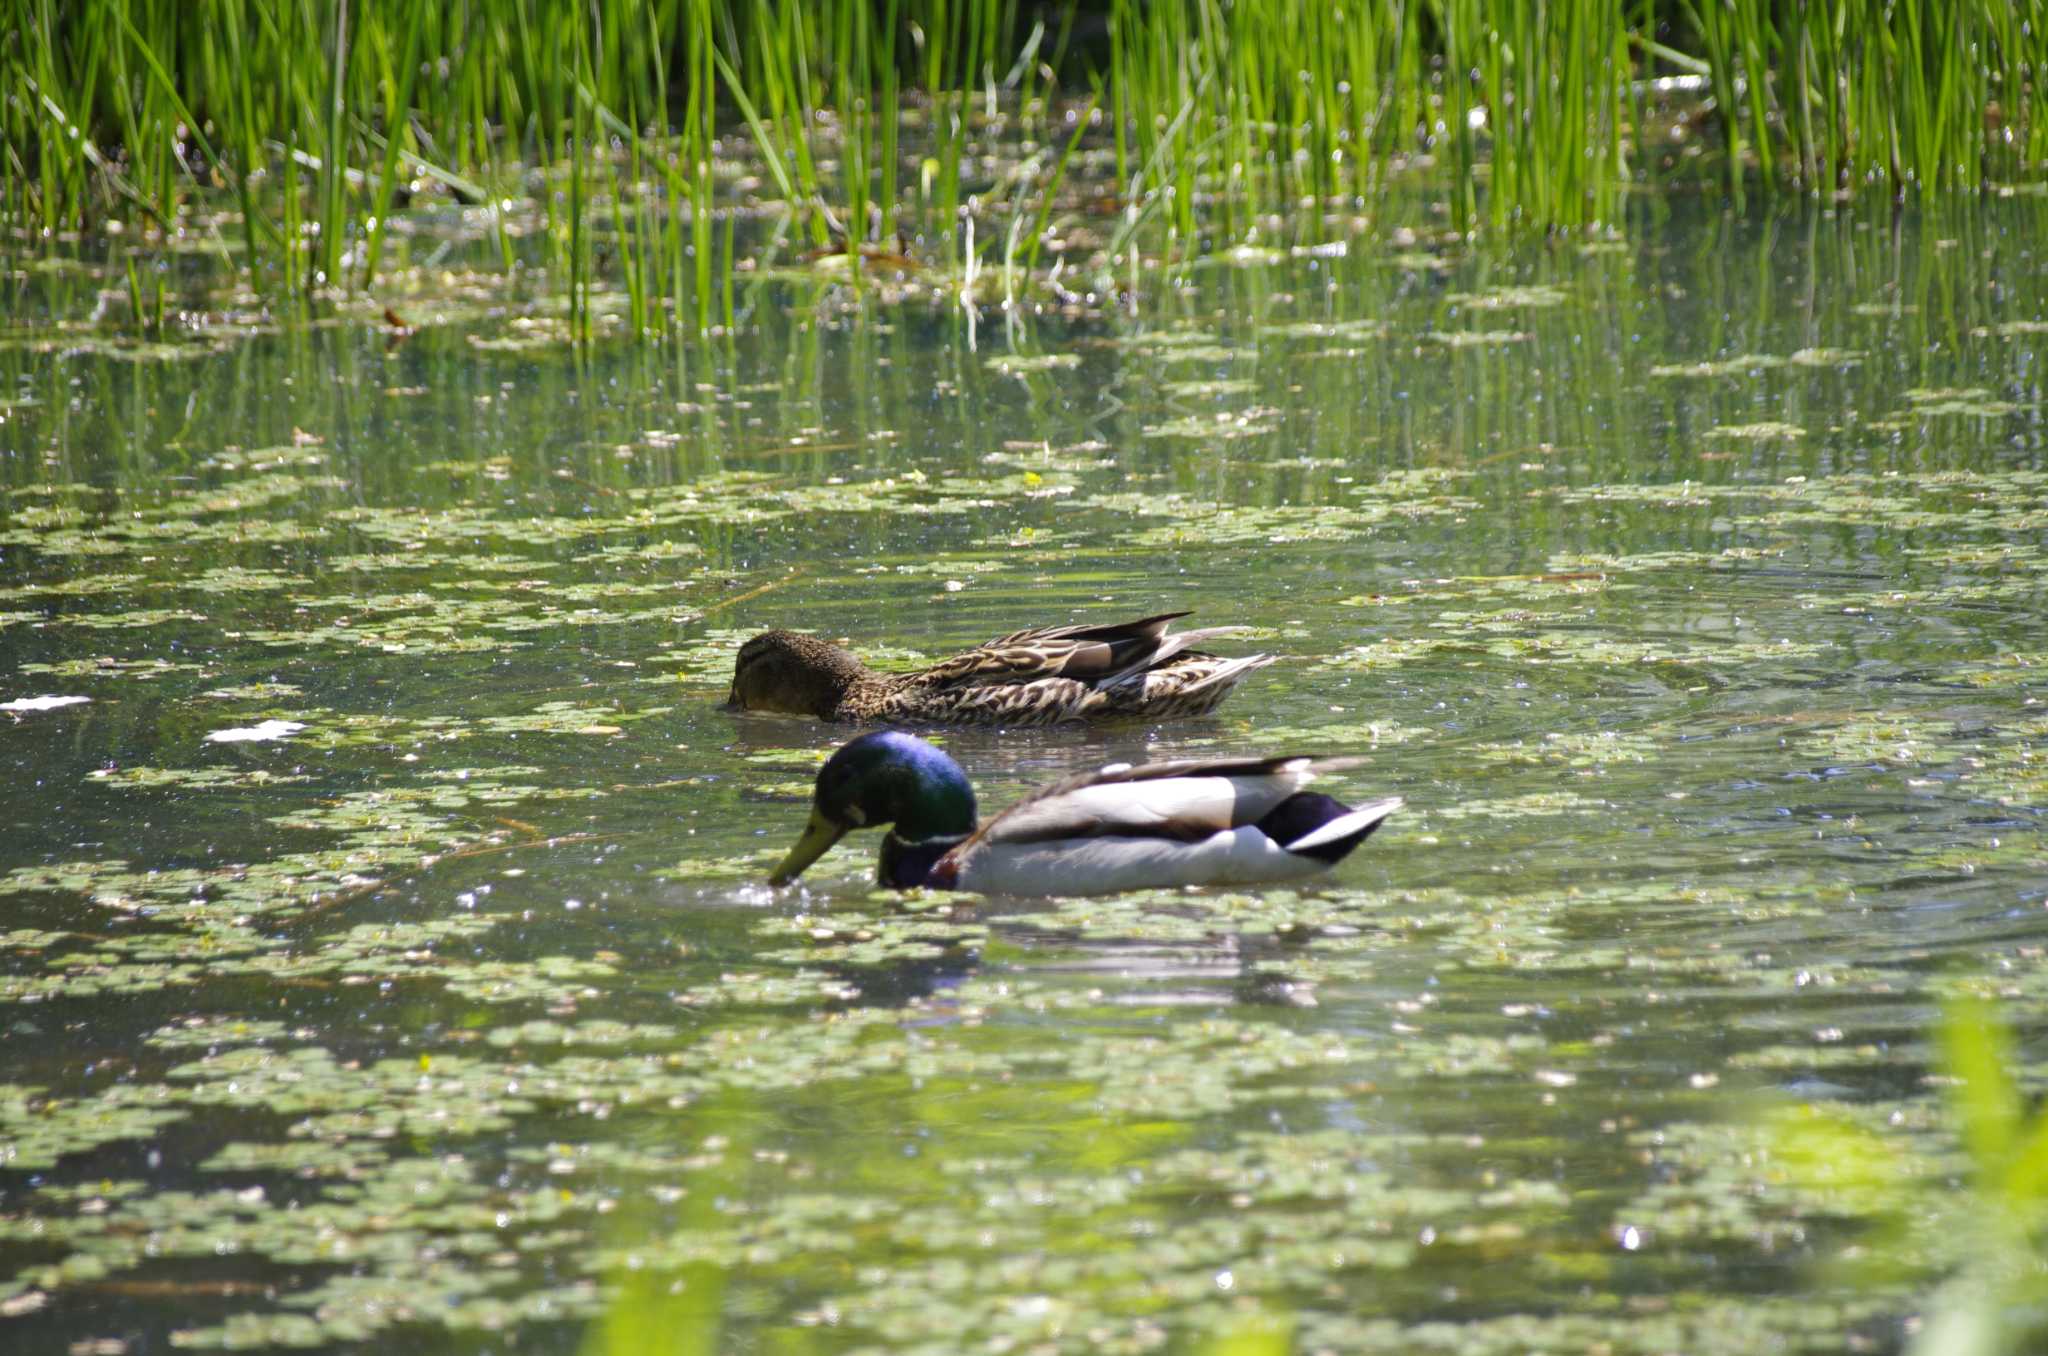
[1226, 821]
[1035, 677]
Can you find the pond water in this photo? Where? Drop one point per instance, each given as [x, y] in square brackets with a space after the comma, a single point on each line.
[1690, 589]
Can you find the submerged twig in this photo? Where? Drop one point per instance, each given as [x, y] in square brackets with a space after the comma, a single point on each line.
[749, 595]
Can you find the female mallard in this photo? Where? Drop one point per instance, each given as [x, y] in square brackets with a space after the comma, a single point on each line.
[1035, 677]
[1226, 821]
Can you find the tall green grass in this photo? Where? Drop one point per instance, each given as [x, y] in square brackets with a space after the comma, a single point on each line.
[319, 120]
[1838, 95]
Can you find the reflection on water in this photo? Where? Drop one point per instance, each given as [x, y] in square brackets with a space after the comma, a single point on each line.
[1689, 590]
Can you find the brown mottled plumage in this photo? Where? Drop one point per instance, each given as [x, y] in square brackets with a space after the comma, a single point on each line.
[1035, 677]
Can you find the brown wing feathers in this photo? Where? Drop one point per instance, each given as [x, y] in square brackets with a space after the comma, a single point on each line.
[1096, 655]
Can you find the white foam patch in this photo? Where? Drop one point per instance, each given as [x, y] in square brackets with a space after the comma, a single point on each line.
[41, 703]
[265, 732]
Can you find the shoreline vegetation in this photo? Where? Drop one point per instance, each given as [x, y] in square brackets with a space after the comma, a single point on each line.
[635, 156]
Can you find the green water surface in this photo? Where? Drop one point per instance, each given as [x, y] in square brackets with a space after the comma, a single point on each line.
[1691, 590]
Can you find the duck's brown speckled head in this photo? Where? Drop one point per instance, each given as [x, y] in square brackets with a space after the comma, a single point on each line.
[792, 673]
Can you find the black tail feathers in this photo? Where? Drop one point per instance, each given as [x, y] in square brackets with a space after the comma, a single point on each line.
[1304, 812]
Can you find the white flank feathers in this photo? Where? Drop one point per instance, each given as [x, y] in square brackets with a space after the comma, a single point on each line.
[1150, 807]
[1094, 866]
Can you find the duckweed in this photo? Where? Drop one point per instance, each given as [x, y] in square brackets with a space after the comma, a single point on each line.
[1699, 631]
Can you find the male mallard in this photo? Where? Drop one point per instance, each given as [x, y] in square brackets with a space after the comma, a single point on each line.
[1225, 821]
[1034, 677]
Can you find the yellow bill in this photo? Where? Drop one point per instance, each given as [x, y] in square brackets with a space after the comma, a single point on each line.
[818, 837]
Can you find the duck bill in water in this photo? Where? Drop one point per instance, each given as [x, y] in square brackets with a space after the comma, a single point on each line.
[818, 837]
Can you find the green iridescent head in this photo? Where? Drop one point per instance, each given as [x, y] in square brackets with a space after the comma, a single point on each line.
[883, 778]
